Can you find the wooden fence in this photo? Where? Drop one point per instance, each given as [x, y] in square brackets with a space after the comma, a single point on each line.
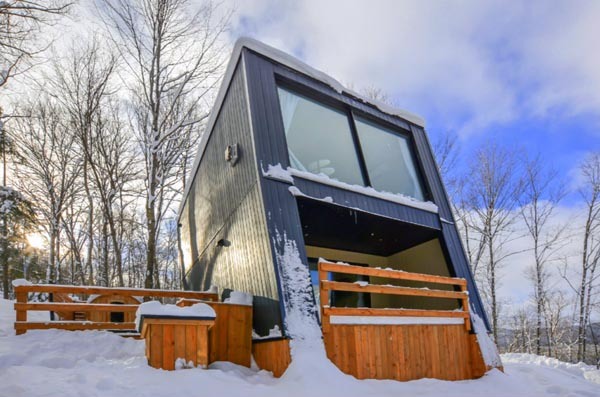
[326, 286]
[80, 311]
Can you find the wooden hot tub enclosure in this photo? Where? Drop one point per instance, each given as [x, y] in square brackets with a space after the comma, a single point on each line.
[171, 338]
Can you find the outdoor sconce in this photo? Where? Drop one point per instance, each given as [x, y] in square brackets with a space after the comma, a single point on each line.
[223, 243]
[232, 154]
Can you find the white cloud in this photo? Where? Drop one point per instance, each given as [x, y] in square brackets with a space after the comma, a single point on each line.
[473, 64]
[514, 286]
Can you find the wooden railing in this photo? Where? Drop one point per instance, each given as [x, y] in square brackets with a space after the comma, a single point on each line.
[326, 286]
[22, 306]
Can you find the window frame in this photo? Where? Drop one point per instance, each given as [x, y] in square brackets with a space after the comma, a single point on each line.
[352, 113]
[412, 147]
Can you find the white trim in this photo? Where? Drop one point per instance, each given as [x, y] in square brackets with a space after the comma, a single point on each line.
[365, 190]
[389, 320]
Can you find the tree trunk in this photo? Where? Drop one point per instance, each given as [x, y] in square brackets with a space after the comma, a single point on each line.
[4, 259]
[4, 254]
[117, 250]
[539, 300]
[90, 228]
[105, 264]
[150, 244]
[492, 278]
[52, 257]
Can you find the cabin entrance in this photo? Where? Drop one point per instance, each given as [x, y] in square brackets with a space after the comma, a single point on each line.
[341, 234]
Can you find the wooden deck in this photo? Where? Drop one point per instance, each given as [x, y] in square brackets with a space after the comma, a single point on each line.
[378, 343]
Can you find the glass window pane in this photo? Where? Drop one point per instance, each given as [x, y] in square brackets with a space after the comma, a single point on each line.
[390, 165]
[319, 138]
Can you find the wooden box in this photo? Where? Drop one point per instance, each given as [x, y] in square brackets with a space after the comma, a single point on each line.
[230, 339]
[169, 338]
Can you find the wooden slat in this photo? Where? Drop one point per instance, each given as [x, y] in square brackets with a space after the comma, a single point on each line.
[388, 273]
[178, 321]
[73, 325]
[231, 336]
[272, 356]
[190, 343]
[391, 290]
[155, 342]
[180, 345]
[168, 346]
[75, 307]
[364, 311]
[202, 354]
[465, 306]
[20, 315]
[404, 352]
[89, 290]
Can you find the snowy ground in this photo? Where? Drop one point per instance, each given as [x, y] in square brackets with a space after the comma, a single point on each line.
[93, 363]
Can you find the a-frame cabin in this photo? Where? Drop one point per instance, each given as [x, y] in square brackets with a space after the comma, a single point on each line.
[295, 174]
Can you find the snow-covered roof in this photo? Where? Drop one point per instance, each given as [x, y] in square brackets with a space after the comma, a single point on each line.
[296, 64]
[292, 63]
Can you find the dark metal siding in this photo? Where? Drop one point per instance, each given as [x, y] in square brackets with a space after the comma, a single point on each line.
[225, 203]
[283, 219]
[373, 205]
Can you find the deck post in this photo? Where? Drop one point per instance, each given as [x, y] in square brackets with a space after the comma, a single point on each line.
[21, 314]
[323, 297]
[465, 306]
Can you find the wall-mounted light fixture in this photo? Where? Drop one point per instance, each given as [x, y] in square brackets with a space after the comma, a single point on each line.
[223, 243]
[232, 154]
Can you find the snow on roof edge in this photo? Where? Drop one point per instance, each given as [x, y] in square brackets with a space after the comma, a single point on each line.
[298, 65]
[292, 63]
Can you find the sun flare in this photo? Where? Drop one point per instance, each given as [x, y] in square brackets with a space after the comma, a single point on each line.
[36, 240]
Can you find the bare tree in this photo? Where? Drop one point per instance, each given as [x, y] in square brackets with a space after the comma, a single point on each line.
[557, 329]
[492, 194]
[542, 191]
[48, 170]
[20, 24]
[83, 86]
[80, 81]
[376, 94]
[446, 152]
[590, 254]
[173, 59]
[113, 169]
[73, 219]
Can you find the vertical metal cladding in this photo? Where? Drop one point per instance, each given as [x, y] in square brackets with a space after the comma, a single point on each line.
[224, 204]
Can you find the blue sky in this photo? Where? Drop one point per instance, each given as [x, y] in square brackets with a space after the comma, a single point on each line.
[525, 75]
